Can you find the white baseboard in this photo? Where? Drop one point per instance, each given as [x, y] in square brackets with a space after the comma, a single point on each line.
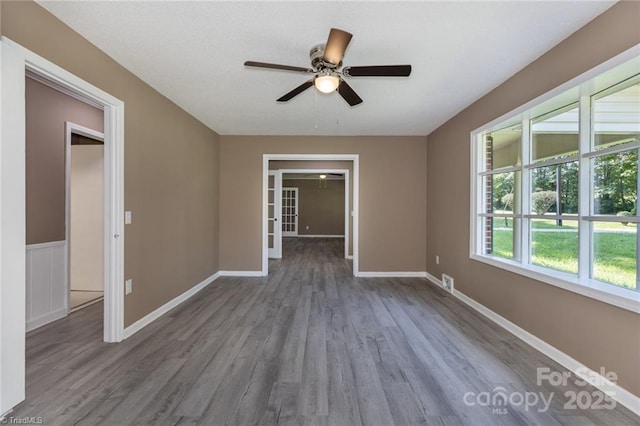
[619, 394]
[241, 273]
[317, 236]
[149, 318]
[39, 246]
[398, 274]
[86, 305]
[34, 323]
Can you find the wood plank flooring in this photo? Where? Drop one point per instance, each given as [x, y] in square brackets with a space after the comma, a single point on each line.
[307, 345]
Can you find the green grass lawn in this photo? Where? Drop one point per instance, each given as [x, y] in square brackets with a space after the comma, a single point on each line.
[614, 252]
[566, 224]
[557, 251]
[615, 258]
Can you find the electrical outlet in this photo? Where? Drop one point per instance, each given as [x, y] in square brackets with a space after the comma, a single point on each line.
[306, 227]
[447, 282]
[128, 286]
[127, 218]
[437, 260]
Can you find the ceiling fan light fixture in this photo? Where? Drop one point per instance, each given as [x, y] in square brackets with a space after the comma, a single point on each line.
[327, 83]
[327, 70]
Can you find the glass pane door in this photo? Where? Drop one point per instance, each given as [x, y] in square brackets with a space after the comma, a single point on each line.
[289, 212]
[274, 201]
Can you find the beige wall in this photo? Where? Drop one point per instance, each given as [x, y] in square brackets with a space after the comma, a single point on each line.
[86, 218]
[392, 197]
[320, 206]
[47, 110]
[594, 333]
[171, 165]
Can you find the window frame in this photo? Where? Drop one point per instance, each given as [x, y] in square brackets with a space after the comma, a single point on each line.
[612, 76]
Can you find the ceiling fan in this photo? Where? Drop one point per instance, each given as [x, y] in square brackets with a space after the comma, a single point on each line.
[326, 63]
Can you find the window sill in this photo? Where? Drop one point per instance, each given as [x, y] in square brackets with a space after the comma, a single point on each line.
[603, 292]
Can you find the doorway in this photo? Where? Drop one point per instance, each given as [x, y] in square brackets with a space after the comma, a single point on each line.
[84, 216]
[15, 62]
[272, 202]
[320, 204]
[277, 212]
[61, 189]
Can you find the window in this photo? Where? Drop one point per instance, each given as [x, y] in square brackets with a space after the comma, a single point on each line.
[555, 189]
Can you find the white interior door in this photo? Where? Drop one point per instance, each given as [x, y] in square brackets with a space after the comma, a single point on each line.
[289, 212]
[274, 214]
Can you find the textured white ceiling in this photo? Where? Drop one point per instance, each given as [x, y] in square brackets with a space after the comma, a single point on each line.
[193, 53]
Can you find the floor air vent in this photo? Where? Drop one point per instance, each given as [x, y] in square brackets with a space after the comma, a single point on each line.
[447, 283]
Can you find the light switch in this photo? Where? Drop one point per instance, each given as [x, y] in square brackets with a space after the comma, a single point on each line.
[128, 286]
[127, 218]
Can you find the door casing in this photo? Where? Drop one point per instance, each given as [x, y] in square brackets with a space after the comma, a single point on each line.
[355, 158]
[15, 62]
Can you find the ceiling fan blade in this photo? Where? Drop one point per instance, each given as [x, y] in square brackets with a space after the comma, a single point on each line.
[378, 71]
[276, 66]
[336, 45]
[348, 93]
[295, 92]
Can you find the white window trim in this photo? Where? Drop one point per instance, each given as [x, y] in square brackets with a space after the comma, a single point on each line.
[627, 62]
[617, 296]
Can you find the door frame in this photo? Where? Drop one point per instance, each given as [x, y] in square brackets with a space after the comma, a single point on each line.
[15, 62]
[355, 158]
[69, 129]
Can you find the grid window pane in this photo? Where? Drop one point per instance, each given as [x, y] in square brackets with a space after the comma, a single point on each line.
[502, 148]
[564, 225]
[554, 244]
[499, 236]
[615, 183]
[616, 118]
[501, 191]
[555, 135]
[550, 194]
[615, 250]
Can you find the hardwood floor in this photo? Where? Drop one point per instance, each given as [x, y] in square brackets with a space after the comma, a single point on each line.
[308, 345]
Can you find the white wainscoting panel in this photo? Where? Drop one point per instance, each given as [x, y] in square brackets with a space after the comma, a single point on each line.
[46, 283]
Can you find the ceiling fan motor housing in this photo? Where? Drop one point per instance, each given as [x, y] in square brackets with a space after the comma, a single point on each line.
[317, 62]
